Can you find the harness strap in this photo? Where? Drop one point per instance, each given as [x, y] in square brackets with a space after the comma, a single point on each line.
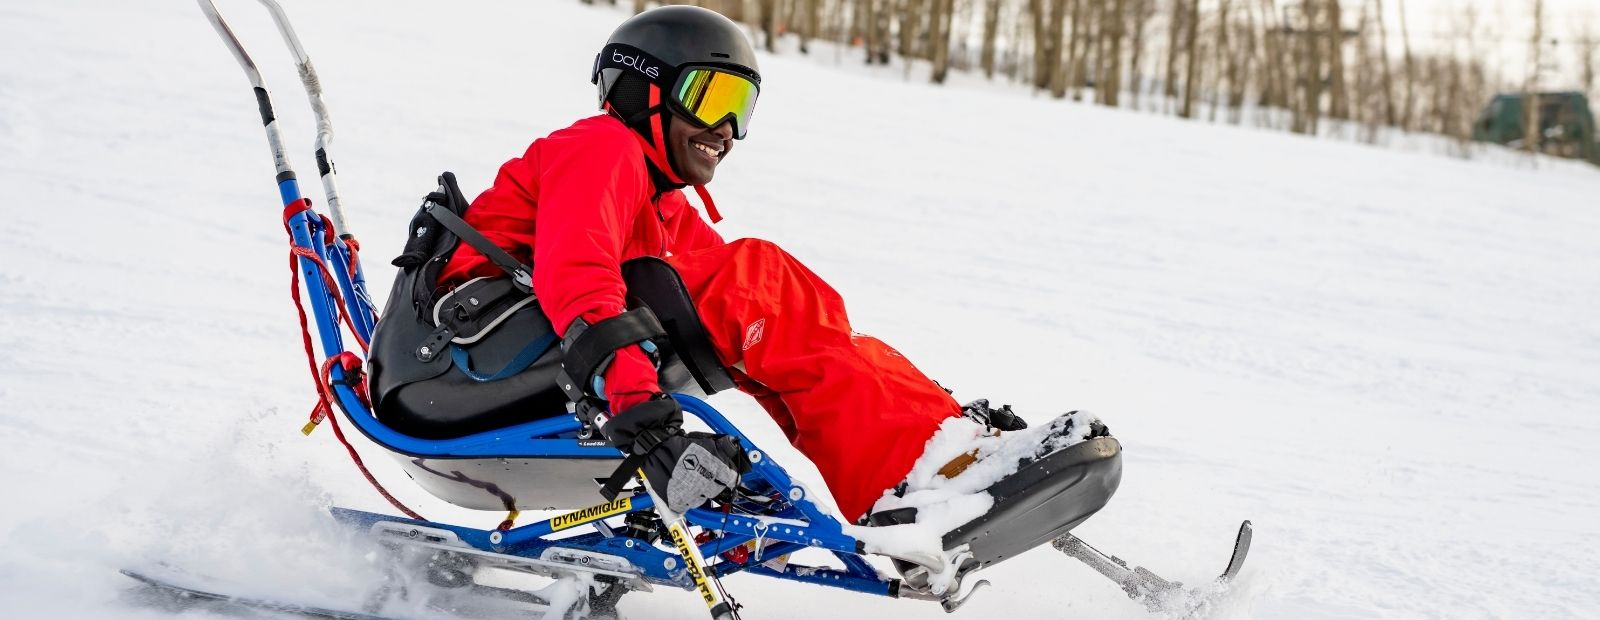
[520, 274]
[620, 477]
[643, 445]
[588, 349]
[525, 358]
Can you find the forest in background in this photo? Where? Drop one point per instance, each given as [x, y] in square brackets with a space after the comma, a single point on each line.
[1305, 66]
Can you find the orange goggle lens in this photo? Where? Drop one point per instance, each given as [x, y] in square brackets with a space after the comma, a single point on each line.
[711, 96]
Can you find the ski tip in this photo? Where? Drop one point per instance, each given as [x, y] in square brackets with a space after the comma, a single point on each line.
[1241, 549]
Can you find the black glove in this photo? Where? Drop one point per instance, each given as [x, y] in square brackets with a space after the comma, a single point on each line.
[684, 469]
[639, 428]
[689, 469]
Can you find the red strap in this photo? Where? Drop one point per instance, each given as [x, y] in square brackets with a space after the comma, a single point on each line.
[657, 154]
[711, 207]
[658, 151]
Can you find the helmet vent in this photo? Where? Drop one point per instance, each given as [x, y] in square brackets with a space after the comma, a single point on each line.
[720, 55]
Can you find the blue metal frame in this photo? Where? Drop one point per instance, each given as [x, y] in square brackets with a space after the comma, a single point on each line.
[789, 521]
[783, 522]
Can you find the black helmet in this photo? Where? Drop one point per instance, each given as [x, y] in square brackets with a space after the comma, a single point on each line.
[673, 37]
[683, 58]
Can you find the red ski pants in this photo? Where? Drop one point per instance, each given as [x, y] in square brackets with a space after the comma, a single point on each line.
[853, 405]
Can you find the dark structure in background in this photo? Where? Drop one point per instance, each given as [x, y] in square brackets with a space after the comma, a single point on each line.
[1565, 124]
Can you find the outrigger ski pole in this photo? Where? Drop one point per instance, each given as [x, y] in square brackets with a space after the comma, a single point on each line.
[695, 563]
[341, 251]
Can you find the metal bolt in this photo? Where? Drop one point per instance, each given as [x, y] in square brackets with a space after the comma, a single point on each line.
[472, 300]
[795, 494]
[670, 563]
[495, 537]
[755, 456]
[426, 350]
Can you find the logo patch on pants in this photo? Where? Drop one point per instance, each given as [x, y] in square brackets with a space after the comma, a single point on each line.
[752, 334]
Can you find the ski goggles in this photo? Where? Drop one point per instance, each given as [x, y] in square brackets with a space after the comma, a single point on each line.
[709, 96]
[706, 94]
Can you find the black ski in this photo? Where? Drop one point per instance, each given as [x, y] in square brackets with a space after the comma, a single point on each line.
[197, 593]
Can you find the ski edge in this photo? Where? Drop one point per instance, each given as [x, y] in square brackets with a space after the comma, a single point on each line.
[187, 591]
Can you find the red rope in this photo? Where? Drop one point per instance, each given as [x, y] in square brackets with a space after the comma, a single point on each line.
[348, 361]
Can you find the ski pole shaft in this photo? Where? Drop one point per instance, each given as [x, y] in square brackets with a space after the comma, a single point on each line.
[313, 87]
[341, 254]
[280, 160]
[304, 225]
[354, 287]
[694, 561]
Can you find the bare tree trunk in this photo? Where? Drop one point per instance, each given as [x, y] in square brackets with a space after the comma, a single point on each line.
[1174, 29]
[1389, 117]
[1042, 52]
[1142, 11]
[884, 24]
[1055, 65]
[865, 26]
[1109, 85]
[1222, 62]
[1073, 71]
[1409, 103]
[1308, 98]
[1020, 37]
[1530, 91]
[908, 32]
[991, 31]
[939, 37]
[1274, 90]
[1339, 104]
[1368, 102]
[1191, 52]
[810, 23]
[769, 23]
[916, 28]
[1242, 65]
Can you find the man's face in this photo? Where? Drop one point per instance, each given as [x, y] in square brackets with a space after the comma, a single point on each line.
[696, 150]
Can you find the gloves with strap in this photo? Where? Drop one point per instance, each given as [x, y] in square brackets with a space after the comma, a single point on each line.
[684, 469]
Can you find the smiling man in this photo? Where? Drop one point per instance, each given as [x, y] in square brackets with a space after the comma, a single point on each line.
[678, 85]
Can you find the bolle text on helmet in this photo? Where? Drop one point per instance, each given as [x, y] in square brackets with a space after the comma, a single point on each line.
[637, 62]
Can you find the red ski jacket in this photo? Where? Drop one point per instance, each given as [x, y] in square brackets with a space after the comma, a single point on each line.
[586, 194]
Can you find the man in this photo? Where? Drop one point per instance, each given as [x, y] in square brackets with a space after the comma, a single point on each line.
[678, 85]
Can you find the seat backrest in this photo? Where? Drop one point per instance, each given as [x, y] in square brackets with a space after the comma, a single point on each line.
[434, 400]
[656, 285]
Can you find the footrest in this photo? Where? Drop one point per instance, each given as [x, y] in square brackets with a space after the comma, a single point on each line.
[1042, 501]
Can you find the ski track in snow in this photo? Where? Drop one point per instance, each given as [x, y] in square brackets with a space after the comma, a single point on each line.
[1387, 360]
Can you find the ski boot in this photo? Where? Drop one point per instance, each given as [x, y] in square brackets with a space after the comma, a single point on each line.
[1043, 481]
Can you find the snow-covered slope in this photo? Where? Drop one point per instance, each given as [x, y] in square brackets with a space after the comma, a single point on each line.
[1389, 361]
